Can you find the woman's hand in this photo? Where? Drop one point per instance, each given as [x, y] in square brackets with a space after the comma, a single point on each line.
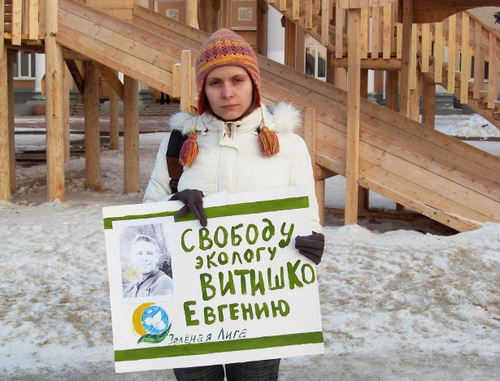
[193, 201]
[311, 246]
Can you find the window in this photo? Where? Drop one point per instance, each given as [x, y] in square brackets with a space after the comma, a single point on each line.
[315, 61]
[24, 66]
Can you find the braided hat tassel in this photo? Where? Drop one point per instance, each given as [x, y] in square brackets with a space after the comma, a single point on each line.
[189, 149]
[268, 140]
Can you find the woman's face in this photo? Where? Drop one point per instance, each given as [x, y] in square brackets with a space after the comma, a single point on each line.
[144, 256]
[229, 91]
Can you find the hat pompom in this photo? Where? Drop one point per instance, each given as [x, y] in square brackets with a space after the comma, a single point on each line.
[268, 142]
[189, 150]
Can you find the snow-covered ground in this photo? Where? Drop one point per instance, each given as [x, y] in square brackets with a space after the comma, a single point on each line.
[396, 304]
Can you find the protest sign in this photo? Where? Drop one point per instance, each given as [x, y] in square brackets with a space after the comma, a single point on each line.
[236, 290]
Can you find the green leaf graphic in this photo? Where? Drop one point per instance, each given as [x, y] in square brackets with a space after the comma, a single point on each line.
[154, 339]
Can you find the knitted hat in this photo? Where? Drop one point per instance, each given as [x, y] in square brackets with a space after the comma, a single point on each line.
[223, 48]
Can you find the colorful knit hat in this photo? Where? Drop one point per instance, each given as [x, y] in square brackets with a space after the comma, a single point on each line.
[224, 47]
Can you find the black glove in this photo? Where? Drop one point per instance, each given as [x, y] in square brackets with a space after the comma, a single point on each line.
[193, 201]
[311, 246]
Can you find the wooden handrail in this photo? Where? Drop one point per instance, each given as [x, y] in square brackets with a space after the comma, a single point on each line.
[462, 35]
[24, 20]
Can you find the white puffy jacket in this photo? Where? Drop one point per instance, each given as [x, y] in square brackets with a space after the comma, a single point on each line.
[229, 158]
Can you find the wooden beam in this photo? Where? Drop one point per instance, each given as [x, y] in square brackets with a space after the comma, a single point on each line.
[192, 13]
[375, 32]
[371, 63]
[131, 134]
[33, 20]
[438, 52]
[186, 81]
[5, 188]
[92, 134]
[76, 74]
[325, 22]
[11, 56]
[387, 32]
[391, 90]
[426, 47]
[113, 121]
[478, 62]
[339, 31]
[493, 71]
[290, 43]
[262, 10]
[341, 78]
[353, 115]
[452, 53]
[225, 14]
[54, 67]
[414, 111]
[406, 57]
[112, 78]
[66, 100]
[465, 68]
[17, 8]
[363, 193]
[428, 102]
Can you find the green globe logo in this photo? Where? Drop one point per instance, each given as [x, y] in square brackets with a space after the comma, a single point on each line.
[152, 323]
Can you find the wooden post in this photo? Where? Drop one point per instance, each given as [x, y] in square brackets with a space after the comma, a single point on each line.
[225, 14]
[11, 56]
[452, 53]
[66, 84]
[363, 193]
[325, 21]
[17, 10]
[478, 62]
[429, 103]
[310, 128]
[414, 111]
[192, 13]
[262, 10]
[438, 52]
[207, 15]
[54, 88]
[131, 134]
[391, 90]
[113, 120]
[290, 42]
[186, 81]
[353, 111]
[492, 71]
[465, 67]
[92, 134]
[4, 128]
[341, 78]
[405, 57]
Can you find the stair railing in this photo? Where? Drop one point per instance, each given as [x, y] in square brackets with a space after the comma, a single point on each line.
[24, 20]
[460, 44]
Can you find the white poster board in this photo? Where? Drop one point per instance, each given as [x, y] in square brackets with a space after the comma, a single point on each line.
[237, 290]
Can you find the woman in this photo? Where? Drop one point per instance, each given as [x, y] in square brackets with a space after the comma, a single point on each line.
[144, 256]
[235, 144]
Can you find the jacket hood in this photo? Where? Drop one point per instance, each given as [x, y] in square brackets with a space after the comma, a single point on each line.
[280, 117]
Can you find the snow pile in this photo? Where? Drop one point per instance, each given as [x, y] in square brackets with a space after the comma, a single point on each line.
[395, 305]
[475, 127]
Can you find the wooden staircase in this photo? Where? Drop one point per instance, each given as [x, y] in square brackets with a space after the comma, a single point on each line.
[465, 38]
[420, 168]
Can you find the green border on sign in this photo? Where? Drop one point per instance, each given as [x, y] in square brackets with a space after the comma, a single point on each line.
[223, 211]
[219, 346]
